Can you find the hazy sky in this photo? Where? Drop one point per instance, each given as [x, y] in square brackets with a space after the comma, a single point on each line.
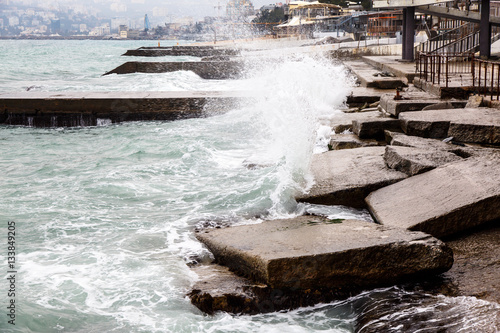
[137, 8]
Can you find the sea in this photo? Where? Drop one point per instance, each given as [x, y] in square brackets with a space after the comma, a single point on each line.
[105, 216]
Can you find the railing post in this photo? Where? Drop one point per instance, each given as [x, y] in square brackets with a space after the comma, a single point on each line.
[492, 76]
[446, 68]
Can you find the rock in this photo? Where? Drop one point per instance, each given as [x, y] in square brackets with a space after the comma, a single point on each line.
[219, 289]
[374, 128]
[474, 101]
[480, 125]
[438, 106]
[314, 252]
[346, 177]
[413, 161]
[476, 266]
[349, 141]
[369, 76]
[444, 201]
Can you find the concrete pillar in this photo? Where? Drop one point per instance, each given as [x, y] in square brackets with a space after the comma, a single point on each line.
[485, 30]
[408, 33]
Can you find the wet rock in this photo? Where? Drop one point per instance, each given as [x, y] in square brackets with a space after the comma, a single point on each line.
[476, 266]
[346, 177]
[444, 201]
[413, 161]
[314, 252]
[341, 121]
[219, 289]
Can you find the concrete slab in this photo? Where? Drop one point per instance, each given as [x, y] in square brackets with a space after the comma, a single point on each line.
[443, 201]
[54, 109]
[346, 177]
[218, 70]
[219, 289]
[342, 121]
[413, 161]
[478, 125]
[311, 252]
[350, 141]
[371, 77]
[374, 128]
[392, 64]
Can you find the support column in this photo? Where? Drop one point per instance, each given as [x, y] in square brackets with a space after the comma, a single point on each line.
[408, 33]
[485, 30]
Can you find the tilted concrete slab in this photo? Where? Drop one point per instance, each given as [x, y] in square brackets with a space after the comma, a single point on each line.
[369, 76]
[443, 201]
[413, 101]
[478, 125]
[392, 64]
[346, 177]
[311, 252]
[413, 161]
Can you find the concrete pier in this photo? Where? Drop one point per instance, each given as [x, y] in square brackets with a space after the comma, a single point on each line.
[85, 108]
[195, 51]
[219, 70]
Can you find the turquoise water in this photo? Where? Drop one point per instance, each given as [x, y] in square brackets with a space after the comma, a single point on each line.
[105, 215]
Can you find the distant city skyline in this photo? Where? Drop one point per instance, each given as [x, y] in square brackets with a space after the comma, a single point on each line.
[157, 10]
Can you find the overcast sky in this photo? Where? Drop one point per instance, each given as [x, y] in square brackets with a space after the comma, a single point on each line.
[137, 8]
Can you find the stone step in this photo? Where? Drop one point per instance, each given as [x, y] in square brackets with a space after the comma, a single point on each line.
[478, 125]
[444, 201]
[341, 121]
[371, 77]
[314, 252]
[346, 177]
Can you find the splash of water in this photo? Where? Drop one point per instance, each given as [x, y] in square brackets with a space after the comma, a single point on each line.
[293, 92]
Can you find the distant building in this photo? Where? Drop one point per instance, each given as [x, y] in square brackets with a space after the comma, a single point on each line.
[122, 31]
[13, 21]
[1, 23]
[236, 10]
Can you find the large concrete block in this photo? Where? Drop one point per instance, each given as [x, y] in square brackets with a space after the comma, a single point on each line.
[374, 128]
[413, 161]
[346, 177]
[443, 201]
[313, 252]
[480, 125]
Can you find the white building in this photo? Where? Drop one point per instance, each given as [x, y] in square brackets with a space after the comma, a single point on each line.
[13, 21]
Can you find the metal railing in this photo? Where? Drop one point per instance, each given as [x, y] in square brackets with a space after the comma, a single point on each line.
[439, 68]
[486, 78]
[444, 40]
